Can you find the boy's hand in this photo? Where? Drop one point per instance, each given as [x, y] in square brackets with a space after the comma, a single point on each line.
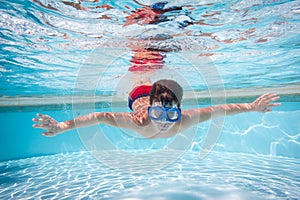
[264, 103]
[48, 123]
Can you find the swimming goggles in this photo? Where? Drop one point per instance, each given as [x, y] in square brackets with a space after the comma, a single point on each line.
[159, 112]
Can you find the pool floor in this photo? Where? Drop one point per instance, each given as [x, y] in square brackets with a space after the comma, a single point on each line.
[218, 176]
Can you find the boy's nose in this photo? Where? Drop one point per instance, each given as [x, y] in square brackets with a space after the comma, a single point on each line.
[163, 119]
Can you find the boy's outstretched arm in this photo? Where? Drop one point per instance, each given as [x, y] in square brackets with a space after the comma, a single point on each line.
[264, 103]
[118, 119]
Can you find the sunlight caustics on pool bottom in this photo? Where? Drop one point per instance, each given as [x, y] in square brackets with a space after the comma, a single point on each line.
[221, 175]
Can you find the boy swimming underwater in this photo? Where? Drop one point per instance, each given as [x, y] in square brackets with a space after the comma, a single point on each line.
[156, 112]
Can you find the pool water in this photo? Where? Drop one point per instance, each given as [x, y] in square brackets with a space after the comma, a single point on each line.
[68, 58]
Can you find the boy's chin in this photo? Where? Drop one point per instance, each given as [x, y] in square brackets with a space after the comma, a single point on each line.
[163, 126]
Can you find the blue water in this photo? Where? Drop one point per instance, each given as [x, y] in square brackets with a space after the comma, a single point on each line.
[65, 60]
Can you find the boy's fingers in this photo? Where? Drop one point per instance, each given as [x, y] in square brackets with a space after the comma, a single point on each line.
[275, 104]
[41, 121]
[275, 98]
[265, 95]
[38, 125]
[43, 116]
[48, 134]
[42, 126]
[35, 119]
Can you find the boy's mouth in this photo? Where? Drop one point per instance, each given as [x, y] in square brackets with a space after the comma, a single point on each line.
[163, 126]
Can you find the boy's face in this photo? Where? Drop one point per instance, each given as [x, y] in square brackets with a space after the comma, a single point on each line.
[163, 125]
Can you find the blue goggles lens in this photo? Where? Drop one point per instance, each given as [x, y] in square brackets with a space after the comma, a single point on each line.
[159, 112]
